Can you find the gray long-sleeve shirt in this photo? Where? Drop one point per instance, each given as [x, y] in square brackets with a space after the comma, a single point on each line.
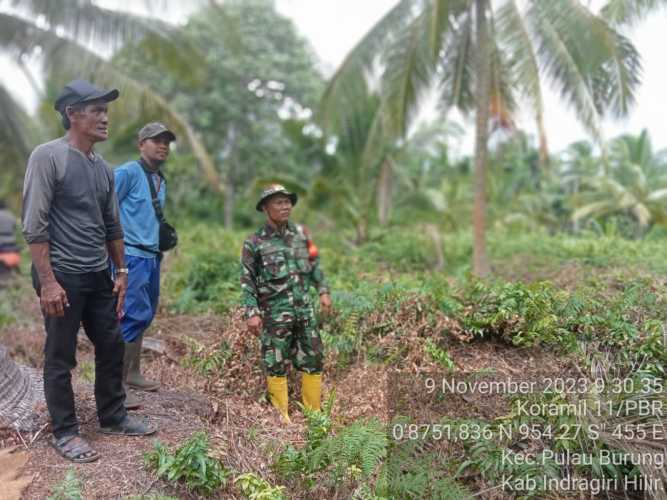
[7, 231]
[69, 200]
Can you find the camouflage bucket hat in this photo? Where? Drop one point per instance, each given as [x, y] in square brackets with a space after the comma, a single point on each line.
[275, 189]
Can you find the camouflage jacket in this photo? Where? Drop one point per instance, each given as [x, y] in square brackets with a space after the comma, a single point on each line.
[277, 270]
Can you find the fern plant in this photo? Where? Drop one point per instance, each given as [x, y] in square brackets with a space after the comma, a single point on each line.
[292, 462]
[189, 464]
[410, 473]
[353, 453]
[68, 489]
[206, 363]
[439, 355]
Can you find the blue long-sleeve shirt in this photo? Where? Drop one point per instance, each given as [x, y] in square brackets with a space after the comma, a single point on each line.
[137, 214]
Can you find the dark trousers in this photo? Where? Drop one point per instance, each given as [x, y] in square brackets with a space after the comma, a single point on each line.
[92, 304]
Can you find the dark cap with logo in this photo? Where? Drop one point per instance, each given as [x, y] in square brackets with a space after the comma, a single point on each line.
[274, 189]
[154, 129]
[78, 91]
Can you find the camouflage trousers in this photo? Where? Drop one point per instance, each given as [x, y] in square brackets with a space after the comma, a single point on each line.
[291, 335]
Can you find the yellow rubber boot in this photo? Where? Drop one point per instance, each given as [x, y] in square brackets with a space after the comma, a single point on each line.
[311, 390]
[278, 395]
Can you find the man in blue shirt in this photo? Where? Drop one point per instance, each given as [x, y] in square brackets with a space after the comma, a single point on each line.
[142, 254]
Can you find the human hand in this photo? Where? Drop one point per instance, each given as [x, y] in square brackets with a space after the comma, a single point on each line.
[120, 289]
[325, 303]
[255, 325]
[53, 299]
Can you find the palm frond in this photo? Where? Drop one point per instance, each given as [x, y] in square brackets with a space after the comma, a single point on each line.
[513, 34]
[348, 78]
[457, 68]
[503, 84]
[595, 68]
[20, 36]
[593, 209]
[13, 133]
[438, 15]
[629, 12]
[90, 24]
[563, 63]
[408, 73]
[657, 195]
[641, 213]
[137, 99]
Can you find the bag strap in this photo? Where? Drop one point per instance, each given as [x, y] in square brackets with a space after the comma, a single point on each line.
[154, 199]
[144, 248]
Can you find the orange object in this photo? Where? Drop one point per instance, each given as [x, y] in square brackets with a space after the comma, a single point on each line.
[10, 259]
[313, 252]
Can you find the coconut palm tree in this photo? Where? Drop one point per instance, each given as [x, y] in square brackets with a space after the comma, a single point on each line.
[489, 57]
[635, 185]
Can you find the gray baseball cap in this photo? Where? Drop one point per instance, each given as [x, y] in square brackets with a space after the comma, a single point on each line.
[78, 91]
[154, 129]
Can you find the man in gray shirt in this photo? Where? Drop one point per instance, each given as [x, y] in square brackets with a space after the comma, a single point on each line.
[71, 223]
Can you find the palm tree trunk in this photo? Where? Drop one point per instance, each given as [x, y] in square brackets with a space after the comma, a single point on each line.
[544, 148]
[480, 261]
[362, 231]
[384, 191]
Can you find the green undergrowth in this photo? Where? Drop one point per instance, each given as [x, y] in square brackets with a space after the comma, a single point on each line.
[599, 300]
[606, 441]
[624, 322]
[608, 303]
[67, 489]
[203, 272]
[190, 465]
[360, 461]
[13, 290]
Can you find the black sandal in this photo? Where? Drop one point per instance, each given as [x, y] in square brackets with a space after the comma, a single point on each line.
[75, 449]
[131, 426]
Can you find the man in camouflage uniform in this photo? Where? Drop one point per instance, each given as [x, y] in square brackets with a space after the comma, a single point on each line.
[279, 265]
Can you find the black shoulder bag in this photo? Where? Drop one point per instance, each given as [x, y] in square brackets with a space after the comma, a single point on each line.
[168, 237]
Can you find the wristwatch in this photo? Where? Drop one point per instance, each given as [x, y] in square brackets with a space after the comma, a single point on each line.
[122, 270]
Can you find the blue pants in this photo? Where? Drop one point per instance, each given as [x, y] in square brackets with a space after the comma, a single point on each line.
[143, 293]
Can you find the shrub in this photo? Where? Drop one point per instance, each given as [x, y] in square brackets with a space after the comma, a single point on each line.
[189, 464]
[212, 282]
[524, 314]
[256, 488]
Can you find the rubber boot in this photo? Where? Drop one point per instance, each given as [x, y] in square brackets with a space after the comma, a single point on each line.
[311, 390]
[278, 395]
[134, 377]
[131, 401]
